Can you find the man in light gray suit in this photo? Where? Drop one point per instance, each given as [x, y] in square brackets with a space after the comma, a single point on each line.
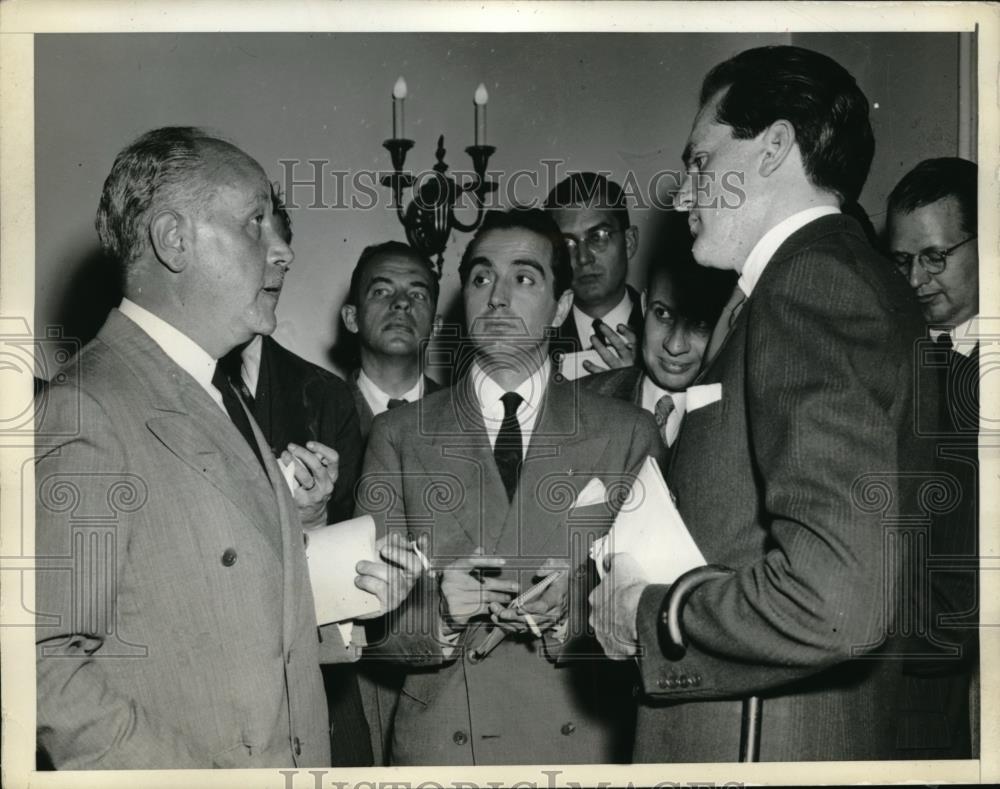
[490, 469]
[176, 625]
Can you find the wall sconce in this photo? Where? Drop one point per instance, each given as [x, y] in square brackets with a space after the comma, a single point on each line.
[430, 217]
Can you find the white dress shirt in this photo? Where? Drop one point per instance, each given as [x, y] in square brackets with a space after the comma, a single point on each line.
[963, 340]
[489, 392]
[378, 401]
[651, 394]
[585, 324]
[764, 249]
[185, 352]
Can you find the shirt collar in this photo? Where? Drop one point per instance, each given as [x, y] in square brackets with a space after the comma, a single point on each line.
[651, 393]
[182, 350]
[378, 400]
[964, 337]
[764, 249]
[620, 313]
[489, 392]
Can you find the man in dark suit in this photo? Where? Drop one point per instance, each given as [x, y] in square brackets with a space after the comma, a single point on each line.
[489, 469]
[392, 308]
[931, 232]
[683, 302]
[592, 214]
[176, 625]
[811, 362]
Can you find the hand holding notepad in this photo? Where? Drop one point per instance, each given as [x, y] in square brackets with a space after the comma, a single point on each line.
[651, 530]
[340, 553]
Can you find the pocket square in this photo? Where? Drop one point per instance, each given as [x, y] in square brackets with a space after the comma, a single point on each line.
[593, 493]
[701, 395]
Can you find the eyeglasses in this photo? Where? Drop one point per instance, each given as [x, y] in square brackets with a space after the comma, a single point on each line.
[932, 261]
[597, 240]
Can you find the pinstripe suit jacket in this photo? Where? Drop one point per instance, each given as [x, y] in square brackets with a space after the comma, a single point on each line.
[793, 480]
[175, 623]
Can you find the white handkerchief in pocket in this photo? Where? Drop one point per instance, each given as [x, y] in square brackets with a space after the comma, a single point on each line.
[701, 395]
[593, 493]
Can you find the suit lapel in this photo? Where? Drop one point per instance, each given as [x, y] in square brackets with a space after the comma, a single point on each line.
[456, 443]
[365, 414]
[559, 462]
[188, 422]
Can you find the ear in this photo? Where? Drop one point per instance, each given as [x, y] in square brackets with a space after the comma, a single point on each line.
[563, 306]
[778, 141]
[167, 235]
[349, 314]
[436, 325]
[631, 241]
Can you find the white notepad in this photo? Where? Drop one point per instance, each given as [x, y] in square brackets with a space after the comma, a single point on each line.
[332, 552]
[650, 529]
[571, 364]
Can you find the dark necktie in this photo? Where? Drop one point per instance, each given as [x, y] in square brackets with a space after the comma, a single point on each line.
[396, 402]
[663, 409]
[231, 400]
[596, 324]
[944, 341]
[507, 451]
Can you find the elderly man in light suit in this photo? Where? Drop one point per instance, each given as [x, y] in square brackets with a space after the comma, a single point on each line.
[176, 625]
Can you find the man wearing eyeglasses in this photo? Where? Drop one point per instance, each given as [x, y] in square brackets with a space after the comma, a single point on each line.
[931, 231]
[607, 312]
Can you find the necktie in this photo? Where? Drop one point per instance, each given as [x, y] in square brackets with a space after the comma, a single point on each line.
[661, 413]
[507, 450]
[726, 320]
[232, 364]
[944, 341]
[596, 324]
[231, 400]
[396, 402]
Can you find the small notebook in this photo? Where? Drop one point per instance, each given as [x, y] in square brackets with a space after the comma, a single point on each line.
[332, 552]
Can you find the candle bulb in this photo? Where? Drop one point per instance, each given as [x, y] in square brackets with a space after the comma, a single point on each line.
[398, 97]
[479, 99]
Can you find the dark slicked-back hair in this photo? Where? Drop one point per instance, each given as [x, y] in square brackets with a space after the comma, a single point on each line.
[815, 94]
[163, 167]
[375, 252]
[936, 179]
[590, 190]
[536, 221]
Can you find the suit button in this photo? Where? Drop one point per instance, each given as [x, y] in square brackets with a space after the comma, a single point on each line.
[229, 557]
[297, 746]
[459, 738]
[568, 728]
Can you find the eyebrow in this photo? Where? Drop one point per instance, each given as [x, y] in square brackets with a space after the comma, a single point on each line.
[686, 155]
[529, 262]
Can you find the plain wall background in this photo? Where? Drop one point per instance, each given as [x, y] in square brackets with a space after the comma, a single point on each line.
[615, 102]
